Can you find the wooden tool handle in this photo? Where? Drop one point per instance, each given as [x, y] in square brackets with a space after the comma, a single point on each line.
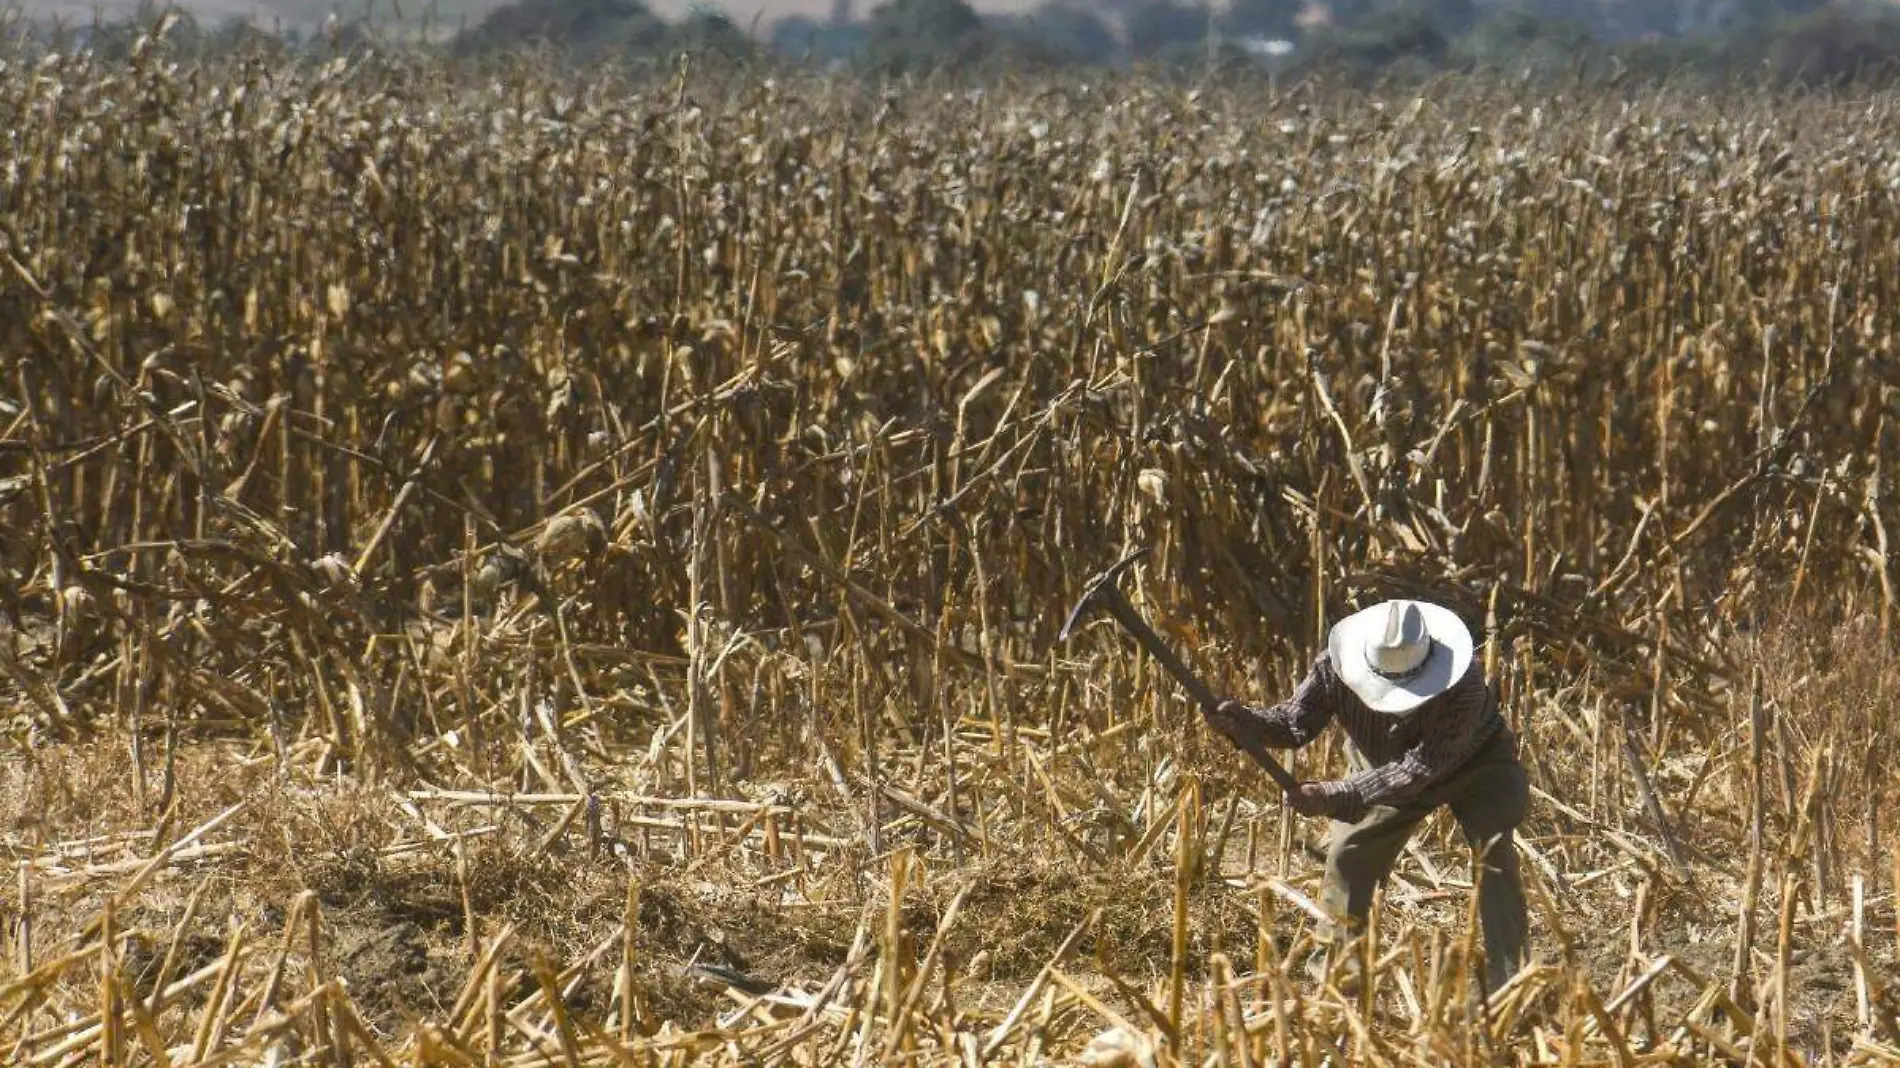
[1126, 615]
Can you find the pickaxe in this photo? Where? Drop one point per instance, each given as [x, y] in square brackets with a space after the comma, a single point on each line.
[1103, 590]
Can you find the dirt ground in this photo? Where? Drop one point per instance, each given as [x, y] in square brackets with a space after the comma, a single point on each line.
[396, 927]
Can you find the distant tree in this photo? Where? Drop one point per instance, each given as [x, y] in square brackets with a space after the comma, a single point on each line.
[1407, 35]
[1263, 18]
[1157, 28]
[795, 33]
[586, 29]
[1062, 32]
[1449, 17]
[805, 39]
[1632, 20]
[345, 36]
[904, 35]
[710, 32]
[1118, 10]
[1730, 16]
[237, 35]
[1807, 40]
[1347, 12]
[1453, 17]
[1836, 44]
[1520, 39]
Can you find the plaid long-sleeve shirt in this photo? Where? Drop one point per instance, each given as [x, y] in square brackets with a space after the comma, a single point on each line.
[1406, 753]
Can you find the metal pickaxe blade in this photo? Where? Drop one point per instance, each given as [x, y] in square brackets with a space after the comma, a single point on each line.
[1104, 590]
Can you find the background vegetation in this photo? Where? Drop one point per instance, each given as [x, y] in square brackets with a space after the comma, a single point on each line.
[1717, 41]
[507, 566]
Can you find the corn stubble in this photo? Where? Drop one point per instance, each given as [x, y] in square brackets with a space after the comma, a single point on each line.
[636, 517]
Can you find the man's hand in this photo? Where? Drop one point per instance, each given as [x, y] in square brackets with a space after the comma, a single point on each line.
[1225, 717]
[1242, 725]
[1309, 800]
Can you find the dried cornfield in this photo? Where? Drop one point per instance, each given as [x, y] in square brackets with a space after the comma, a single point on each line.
[503, 570]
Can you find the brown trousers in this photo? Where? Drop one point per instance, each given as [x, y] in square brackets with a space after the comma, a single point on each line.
[1489, 796]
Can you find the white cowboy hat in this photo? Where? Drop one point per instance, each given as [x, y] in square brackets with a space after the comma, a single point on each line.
[1397, 655]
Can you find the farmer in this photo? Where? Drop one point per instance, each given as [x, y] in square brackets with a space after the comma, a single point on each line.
[1401, 679]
